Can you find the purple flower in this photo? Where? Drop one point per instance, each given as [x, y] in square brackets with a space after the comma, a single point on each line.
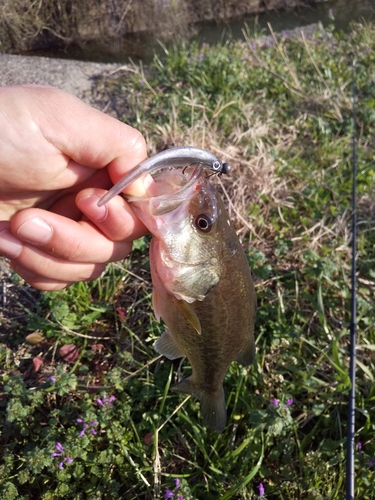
[359, 446]
[261, 490]
[59, 447]
[92, 424]
[79, 420]
[289, 402]
[67, 459]
[104, 402]
[274, 402]
[371, 463]
[201, 56]
[169, 494]
[52, 378]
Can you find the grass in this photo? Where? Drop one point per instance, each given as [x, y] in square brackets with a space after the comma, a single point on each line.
[280, 110]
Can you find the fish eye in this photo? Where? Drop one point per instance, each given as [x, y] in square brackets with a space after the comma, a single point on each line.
[203, 223]
[216, 166]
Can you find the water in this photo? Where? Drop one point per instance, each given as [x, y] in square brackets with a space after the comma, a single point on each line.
[142, 46]
[344, 12]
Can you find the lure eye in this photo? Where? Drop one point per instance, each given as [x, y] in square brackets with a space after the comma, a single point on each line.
[216, 166]
[203, 223]
[226, 168]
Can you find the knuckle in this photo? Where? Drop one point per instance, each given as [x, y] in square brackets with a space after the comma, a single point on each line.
[138, 142]
[76, 251]
[94, 273]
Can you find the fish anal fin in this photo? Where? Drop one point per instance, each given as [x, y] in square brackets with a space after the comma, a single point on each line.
[247, 355]
[167, 346]
[189, 314]
[213, 408]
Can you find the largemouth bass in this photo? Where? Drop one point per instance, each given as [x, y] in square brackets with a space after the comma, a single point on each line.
[202, 285]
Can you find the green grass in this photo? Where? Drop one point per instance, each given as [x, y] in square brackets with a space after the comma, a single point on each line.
[282, 115]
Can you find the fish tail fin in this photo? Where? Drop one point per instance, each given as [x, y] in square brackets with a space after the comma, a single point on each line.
[213, 408]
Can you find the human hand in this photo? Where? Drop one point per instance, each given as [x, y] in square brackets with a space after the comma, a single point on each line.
[57, 157]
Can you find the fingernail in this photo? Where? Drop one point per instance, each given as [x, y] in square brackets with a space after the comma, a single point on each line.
[36, 231]
[10, 246]
[89, 206]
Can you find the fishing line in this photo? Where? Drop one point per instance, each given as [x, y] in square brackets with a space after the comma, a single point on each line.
[350, 479]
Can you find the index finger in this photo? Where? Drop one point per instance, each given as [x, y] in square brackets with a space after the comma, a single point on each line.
[88, 136]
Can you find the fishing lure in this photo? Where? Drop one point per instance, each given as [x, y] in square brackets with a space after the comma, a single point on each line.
[178, 157]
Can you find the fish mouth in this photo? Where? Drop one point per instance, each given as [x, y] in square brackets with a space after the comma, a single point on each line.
[173, 187]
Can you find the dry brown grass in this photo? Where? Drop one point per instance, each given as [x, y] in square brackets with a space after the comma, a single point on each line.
[253, 174]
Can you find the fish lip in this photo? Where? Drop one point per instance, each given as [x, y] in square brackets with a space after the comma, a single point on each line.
[179, 157]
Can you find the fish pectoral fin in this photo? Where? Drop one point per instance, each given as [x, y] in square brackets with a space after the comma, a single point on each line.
[189, 313]
[247, 355]
[156, 304]
[167, 346]
[213, 408]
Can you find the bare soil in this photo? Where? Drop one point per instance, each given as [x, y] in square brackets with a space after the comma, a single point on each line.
[75, 77]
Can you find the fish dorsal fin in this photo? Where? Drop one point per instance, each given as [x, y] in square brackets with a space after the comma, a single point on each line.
[189, 313]
[167, 346]
[246, 356]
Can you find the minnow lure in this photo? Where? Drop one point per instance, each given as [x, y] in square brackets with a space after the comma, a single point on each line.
[178, 157]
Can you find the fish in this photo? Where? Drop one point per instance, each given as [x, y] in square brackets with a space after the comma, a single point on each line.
[202, 285]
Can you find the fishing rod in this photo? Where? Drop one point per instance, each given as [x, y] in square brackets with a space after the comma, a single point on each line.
[350, 479]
